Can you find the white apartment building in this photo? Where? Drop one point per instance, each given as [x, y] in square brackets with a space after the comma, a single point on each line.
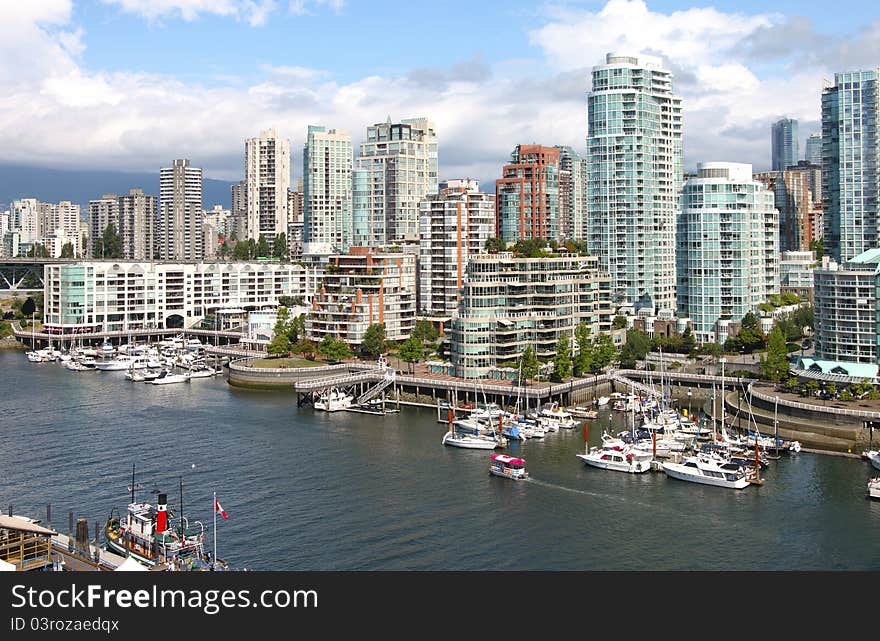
[267, 174]
[179, 225]
[48, 224]
[121, 296]
[454, 226]
[327, 160]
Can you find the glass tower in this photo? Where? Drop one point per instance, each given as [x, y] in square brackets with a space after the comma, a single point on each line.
[634, 178]
[327, 189]
[784, 138]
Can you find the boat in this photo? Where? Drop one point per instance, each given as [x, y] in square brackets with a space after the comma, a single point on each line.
[468, 441]
[106, 349]
[333, 400]
[603, 400]
[583, 412]
[562, 418]
[121, 362]
[708, 470]
[166, 377]
[874, 458]
[78, 366]
[617, 458]
[874, 488]
[145, 534]
[208, 372]
[508, 467]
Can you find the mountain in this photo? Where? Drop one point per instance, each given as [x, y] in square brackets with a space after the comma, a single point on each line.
[81, 186]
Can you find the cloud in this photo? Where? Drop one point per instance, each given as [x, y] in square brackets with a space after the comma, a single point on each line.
[254, 12]
[304, 7]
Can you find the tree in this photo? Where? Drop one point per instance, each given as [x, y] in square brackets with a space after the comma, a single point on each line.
[290, 301]
[528, 365]
[688, 342]
[818, 246]
[494, 245]
[282, 318]
[792, 383]
[240, 251]
[710, 349]
[562, 361]
[531, 248]
[812, 387]
[67, 250]
[38, 250]
[279, 249]
[583, 362]
[425, 331]
[635, 349]
[373, 342]
[279, 345]
[333, 349]
[831, 388]
[262, 249]
[845, 395]
[411, 350]
[775, 366]
[29, 307]
[604, 352]
[619, 322]
[224, 250]
[109, 245]
[305, 348]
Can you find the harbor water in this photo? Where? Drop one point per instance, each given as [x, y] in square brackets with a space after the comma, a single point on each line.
[315, 491]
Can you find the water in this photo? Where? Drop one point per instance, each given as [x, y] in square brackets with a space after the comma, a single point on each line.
[317, 491]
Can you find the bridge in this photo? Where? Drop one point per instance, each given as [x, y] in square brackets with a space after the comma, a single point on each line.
[37, 336]
[26, 274]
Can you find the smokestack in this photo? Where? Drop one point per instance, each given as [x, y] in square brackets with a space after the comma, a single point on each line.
[161, 513]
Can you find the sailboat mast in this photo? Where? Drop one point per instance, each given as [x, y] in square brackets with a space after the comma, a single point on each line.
[182, 532]
[723, 361]
[776, 427]
[132, 483]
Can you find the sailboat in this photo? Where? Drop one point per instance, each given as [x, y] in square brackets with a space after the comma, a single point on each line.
[453, 438]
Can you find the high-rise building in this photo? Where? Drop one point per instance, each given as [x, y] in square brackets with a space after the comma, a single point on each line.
[454, 226]
[103, 211]
[294, 206]
[239, 209]
[527, 194]
[396, 169]
[813, 152]
[793, 192]
[727, 247]
[784, 144]
[850, 166]
[267, 174]
[572, 195]
[48, 224]
[634, 178]
[327, 161]
[179, 234]
[220, 219]
[511, 302]
[137, 219]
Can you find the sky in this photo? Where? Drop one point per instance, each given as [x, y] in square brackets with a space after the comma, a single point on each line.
[131, 84]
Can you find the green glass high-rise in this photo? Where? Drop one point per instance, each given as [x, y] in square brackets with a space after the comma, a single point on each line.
[634, 178]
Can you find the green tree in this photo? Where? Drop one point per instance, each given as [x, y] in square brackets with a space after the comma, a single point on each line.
[604, 352]
[531, 248]
[373, 342]
[803, 317]
[583, 362]
[635, 349]
[775, 366]
[425, 331]
[262, 249]
[411, 350]
[494, 245]
[562, 361]
[282, 318]
[710, 349]
[67, 250]
[619, 322]
[527, 365]
[305, 348]
[845, 395]
[688, 342]
[279, 249]
[333, 349]
[279, 345]
[28, 307]
[240, 251]
[818, 246]
[224, 250]
[831, 388]
[109, 245]
[38, 250]
[812, 387]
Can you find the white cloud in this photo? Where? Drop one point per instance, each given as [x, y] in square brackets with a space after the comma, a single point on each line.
[255, 12]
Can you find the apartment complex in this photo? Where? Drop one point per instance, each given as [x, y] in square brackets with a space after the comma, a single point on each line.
[784, 144]
[361, 288]
[327, 195]
[395, 170]
[179, 224]
[845, 309]
[527, 194]
[727, 247]
[510, 303]
[813, 152]
[572, 195]
[454, 226]
[31, 222]
[851, 163]
[238, 209]
[122, 296]
[795, 192]
[796, 273]
[267, 175]
[634, 176]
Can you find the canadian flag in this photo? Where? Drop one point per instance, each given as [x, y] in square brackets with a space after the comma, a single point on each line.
[219, 509]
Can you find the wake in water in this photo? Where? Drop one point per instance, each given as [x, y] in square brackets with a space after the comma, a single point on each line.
[611, 497]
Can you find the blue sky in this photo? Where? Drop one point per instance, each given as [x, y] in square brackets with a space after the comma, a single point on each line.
[131, 84]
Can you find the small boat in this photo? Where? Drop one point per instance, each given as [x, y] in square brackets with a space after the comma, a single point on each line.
[874, 488]
[78, 366]
[333, 400]
[874, 458]
[508, 467]
[106, 349]
[603, 400]
[151, 374]
[208, 372]
[34, 357]
[468, 441]
[709, 471]
[617, 459]
[562, 418]
[121, 362]
[166, 377]
[583, 412]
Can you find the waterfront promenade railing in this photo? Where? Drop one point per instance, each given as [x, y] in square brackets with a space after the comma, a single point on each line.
[841, 411]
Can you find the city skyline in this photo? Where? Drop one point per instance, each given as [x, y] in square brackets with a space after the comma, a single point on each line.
[738, 70]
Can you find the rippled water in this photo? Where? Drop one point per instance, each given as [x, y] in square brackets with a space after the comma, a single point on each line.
[315, 491]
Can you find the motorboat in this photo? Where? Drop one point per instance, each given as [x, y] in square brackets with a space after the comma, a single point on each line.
[166, 377]
[106, 349]
[583, 412]
[78, 366]
[603, 400]
[874, 458]
[468, 441]
[333, 400]
[508, 466]
[708, 470]
[617, 459]
[490, 411]
[562, 418]
[121, 362]
[207, 372]
[874, 488]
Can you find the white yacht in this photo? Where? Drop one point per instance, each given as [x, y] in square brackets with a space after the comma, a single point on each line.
[874, 488]
[603, 400]
[618, 459]
[709, 471]
[167, 378]
[333, 401]
[874, 457]
[469, 441]
[564, 419]
[121, 362]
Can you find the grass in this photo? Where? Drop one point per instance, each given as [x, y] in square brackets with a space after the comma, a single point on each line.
[282, 363]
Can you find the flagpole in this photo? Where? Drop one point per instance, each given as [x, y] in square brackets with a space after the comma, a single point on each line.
[214, 560]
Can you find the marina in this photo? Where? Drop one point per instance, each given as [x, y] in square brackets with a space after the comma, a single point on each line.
[357, 491]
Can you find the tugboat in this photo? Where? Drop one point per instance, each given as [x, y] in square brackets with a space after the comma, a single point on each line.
[146, 536]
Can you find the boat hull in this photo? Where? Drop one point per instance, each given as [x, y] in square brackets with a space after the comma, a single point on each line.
[637, 467]
[508, 475]
[676, 471]
[874, 457]
[468, 443]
